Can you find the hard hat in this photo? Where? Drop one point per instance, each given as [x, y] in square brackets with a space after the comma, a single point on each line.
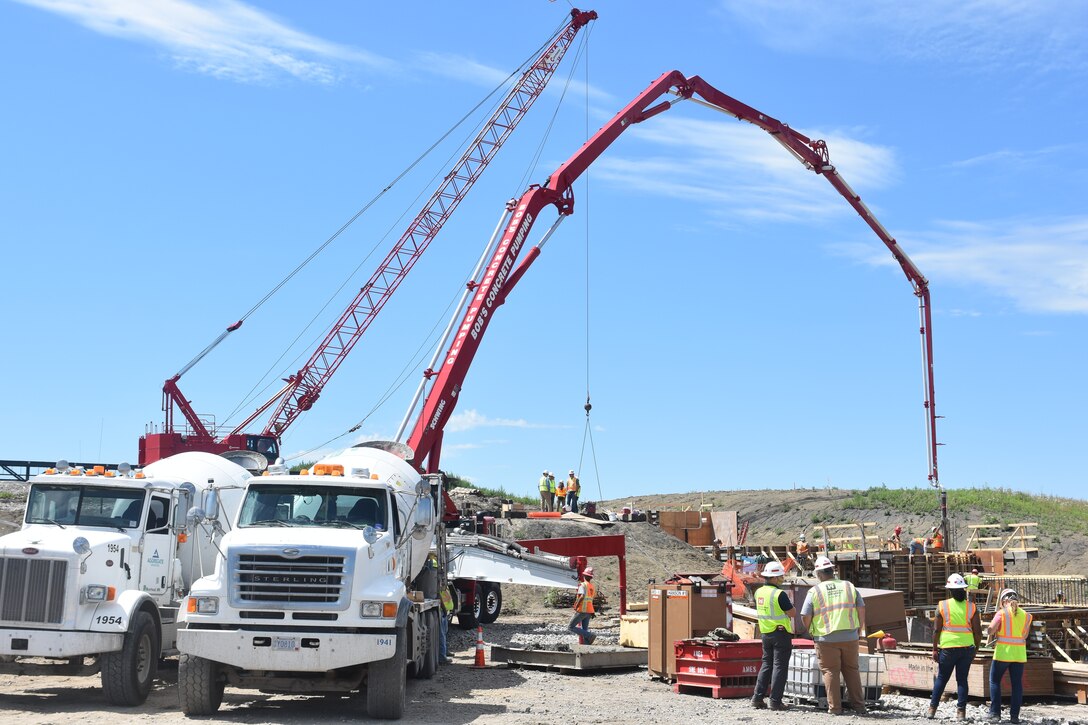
[955, 581]
[974, 571]
[572, 471]
[898, 529]
[822, 562]
[801, 537]
[773, 569]
[544, 474]
[1008, 593]
[588, 571]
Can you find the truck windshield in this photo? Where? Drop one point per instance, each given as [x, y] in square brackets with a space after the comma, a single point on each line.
[85, 505]
[337, 506]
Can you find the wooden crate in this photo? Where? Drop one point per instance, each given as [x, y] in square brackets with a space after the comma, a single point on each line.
[914, 669]
[635, 630]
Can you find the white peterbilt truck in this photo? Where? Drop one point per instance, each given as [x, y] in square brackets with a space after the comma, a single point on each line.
[323, 586]
[93, 579]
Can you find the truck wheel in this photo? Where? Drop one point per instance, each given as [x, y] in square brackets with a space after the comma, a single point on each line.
[200, 685]
[491, 603]
[469, 618]
[385, 682]
[430, 654]
[127, 675]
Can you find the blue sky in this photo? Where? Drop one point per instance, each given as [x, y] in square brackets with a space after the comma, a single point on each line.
[166, 164]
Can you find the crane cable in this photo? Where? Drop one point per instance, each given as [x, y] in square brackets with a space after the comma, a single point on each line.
[588, 433]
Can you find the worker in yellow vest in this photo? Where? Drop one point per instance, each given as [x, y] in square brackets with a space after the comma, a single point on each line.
[560, 494]
[574, 487]
[957, 634]
[774, 612]
[834, 614]
[545, 493]
[1010, 626]
[583, 607]
[974, 581]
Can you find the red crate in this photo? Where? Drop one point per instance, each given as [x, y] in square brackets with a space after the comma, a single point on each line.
[718, 668]
[716, 687]
[699, 649]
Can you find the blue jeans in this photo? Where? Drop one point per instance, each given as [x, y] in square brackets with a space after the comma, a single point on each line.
[572, 501]
[443, 629]
[777, 647]
[1016, 679]
[579, 624]
[951, 659]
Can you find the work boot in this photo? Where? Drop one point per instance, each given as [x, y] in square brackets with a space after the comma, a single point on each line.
[961, 714]
[779, 705]
[932, 713]
[758, 703]
[993, 718]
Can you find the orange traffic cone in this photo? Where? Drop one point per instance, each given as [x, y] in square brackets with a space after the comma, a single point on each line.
[479, 663]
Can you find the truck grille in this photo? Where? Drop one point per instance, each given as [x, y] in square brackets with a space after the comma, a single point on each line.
[32, 590]
[307, 581]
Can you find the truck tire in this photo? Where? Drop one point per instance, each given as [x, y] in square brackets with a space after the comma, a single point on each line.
[467, 616]
[490, 603]
[200, 685]
[430, 654]
[127, 675]
[385, 682]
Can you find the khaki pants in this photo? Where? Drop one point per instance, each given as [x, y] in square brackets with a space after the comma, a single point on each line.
[841, 658]
[545, 500]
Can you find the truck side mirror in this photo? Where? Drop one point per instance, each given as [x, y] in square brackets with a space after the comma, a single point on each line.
[211, 504]
[186, 496]
[423, 523]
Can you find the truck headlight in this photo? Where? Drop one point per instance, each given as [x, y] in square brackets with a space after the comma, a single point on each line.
[378, 609]
[202, 605]
[97, 593]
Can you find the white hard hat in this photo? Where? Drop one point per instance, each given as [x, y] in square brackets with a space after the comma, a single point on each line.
[572, 471]
[544, 474]
[588, 571]
[1008, 593]
[822, 562]
[955, 581]
[801, 537]
[773, 569]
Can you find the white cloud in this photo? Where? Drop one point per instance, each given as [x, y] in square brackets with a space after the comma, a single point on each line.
[742, 171]
[1042, 265]
[221, 38]
[471, 419]
[1026, 36]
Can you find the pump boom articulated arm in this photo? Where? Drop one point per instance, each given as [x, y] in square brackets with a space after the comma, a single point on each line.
[500, 275]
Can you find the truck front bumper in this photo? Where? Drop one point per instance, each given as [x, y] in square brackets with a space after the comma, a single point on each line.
[51, 643]
[287, 651]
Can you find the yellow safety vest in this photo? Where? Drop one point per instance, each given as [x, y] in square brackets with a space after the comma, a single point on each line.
[545, 487]
[834, 607]
[572, 484]
[956, 631]
[1012, 636]
[973, 580]
[769, 613]
[584, 602]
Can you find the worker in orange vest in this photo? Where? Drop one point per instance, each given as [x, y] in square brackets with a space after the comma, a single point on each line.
[574, 487]
[560, 494]
[583, 607]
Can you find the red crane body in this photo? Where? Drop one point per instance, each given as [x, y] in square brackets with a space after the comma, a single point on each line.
[501, 275]
[304, 387]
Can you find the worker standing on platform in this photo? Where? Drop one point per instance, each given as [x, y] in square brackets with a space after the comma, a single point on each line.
[937, 542]
[774, 612]
[551, 489]
[574, 487]
[957, 634]
[918, 545]
[834, 613]
[583, 607]
[1011, 625]
[974, 581]
[545, 493]
[560, 494]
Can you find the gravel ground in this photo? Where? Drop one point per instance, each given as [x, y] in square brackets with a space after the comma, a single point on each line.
[461, 694]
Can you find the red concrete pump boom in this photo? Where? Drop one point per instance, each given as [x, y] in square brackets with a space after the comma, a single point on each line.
[500, 275]
[303, 388]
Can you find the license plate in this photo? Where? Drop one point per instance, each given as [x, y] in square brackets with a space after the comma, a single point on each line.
[284, 643]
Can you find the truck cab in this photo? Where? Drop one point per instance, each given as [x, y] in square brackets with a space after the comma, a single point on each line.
[92, 581]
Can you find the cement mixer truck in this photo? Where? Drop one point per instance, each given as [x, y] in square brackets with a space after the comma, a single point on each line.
[92, 581]
[323, 586]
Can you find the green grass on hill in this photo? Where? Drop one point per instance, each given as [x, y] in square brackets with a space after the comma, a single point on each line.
[998, 505]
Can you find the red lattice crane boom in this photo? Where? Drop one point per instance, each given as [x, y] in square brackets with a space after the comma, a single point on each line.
[304, 387]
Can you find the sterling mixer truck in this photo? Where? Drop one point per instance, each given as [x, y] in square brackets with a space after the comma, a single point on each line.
[93, 579]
